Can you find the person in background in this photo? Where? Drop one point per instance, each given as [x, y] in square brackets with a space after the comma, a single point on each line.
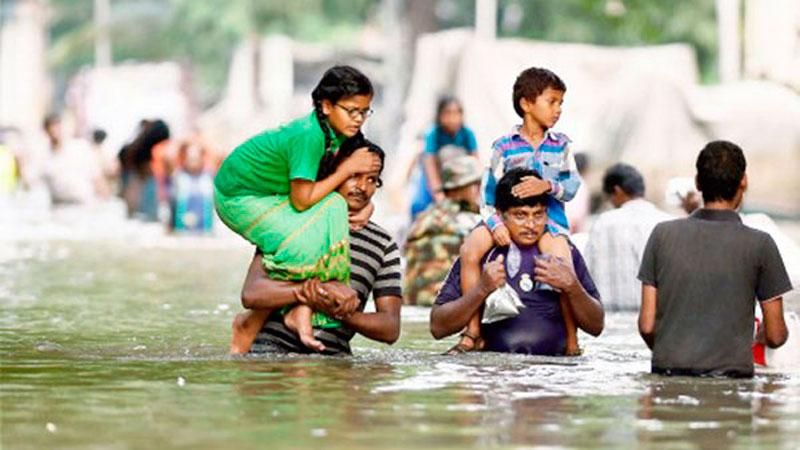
[140, 189]
[70, 172]
[109, 166]
[700, 276]
[618, 237]
[448, 138]
[438, 232]
[192, 193]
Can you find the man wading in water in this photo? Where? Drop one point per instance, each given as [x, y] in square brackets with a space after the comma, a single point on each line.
[701, 275]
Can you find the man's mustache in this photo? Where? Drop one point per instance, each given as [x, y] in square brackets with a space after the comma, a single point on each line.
[361, 195]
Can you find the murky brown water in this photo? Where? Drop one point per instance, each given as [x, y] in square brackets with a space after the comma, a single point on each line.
[121, 344]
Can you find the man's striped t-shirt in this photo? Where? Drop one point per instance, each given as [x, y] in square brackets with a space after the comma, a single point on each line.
[375, 261]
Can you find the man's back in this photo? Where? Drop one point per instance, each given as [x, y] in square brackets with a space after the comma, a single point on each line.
[614, 251]
[707, 270]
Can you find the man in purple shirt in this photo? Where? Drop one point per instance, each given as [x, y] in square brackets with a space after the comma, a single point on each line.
[539, 328]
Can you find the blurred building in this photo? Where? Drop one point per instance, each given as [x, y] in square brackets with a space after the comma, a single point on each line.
[24, 82]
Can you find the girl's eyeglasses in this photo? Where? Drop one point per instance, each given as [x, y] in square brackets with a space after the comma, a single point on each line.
[354, 113]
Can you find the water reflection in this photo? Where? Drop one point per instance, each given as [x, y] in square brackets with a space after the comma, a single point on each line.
[711, 412]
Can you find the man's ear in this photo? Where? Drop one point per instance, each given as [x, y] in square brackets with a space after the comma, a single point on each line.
[743, 183]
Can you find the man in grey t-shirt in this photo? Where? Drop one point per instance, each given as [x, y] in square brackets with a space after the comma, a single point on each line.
[700, 276]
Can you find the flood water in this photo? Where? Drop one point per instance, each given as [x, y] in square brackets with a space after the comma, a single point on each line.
[121, 343]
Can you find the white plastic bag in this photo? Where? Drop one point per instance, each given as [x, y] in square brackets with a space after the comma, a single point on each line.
[502, 304]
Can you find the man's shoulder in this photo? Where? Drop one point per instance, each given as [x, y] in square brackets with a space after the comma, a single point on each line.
[673, 225]
[376, 235]
[647, 213]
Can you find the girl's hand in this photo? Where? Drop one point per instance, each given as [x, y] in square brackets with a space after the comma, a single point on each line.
[529, 187]
[359, 219]
[361, 161]
[501, 236]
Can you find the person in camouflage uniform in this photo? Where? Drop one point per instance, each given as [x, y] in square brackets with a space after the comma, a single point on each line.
[438, 232]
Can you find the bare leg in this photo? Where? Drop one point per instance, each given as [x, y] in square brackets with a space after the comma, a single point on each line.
[475, 246]
[559, 246]
[246, 326]
[298, 319]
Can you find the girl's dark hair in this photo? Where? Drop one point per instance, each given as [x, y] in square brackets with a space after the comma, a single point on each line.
[139, 153]
[505, 200]
[331, 162]
[531, 83]
[337, 83]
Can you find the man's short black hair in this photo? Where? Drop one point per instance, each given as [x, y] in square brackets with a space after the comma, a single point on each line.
[505, 200]
[720, 169]
[531, 83]
[626, 177]
[330, 161]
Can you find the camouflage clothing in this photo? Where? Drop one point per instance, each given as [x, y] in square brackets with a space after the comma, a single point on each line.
[432, 247]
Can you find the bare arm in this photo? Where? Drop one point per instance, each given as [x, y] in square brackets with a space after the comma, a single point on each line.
[260, 292]
[589, 312]
[775, 331]
[305, 193]
[647, 314]
[382, 325]
[431, 165]
[453, 316]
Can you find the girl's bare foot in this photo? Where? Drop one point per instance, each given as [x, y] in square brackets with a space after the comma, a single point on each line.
[298, 319]
[245, 327]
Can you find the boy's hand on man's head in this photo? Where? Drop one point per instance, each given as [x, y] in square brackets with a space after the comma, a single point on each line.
[530, 187]
[501, 236]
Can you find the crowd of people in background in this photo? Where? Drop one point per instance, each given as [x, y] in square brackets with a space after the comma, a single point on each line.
[159, 178]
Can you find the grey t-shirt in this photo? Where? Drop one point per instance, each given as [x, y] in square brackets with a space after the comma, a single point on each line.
[709, 268]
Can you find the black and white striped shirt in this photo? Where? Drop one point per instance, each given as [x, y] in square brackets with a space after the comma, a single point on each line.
[375, 261]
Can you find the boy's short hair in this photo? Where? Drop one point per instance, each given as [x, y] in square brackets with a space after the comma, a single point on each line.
[720, 169]
[505, 200]
[626, 177]
[531, 83]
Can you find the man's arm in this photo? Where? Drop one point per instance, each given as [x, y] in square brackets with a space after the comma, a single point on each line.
[451, 317]
[775, 331]
[588, 311]
[647, 314]
[260, 292]
[383, 325]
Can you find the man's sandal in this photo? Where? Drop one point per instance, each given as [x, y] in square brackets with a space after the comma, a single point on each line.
[461, 348]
